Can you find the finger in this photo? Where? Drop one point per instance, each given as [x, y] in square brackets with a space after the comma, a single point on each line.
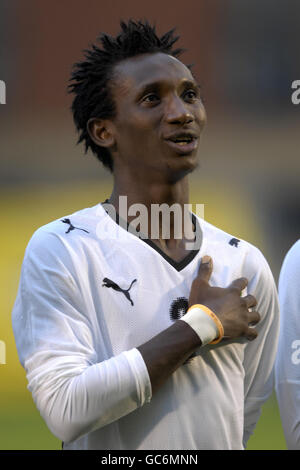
[239, 284]
[205, 268]
[250, 301]
[253, 318]
[251, 334]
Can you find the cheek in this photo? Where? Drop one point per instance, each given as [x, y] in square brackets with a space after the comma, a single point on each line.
[136, 130]
[134, 140]
[202, 117]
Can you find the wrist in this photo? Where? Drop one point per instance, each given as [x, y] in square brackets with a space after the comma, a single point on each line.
[205, 323]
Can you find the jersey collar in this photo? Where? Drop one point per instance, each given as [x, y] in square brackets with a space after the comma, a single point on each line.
[178, 265]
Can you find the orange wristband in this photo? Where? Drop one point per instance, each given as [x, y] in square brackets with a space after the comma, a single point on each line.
[214, 317]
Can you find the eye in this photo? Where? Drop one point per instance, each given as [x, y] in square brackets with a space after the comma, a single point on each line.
[151, 98]
[191, 95]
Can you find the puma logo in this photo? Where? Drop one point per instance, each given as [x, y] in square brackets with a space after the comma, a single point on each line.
[234, 242]
[71, 226]
[108, 283]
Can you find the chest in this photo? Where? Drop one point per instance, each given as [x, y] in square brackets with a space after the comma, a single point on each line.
[136, 294]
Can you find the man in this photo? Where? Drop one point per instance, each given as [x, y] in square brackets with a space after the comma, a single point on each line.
[287, 370]
[125, 341]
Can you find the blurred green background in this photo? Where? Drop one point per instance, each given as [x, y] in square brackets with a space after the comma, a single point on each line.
[246, 58]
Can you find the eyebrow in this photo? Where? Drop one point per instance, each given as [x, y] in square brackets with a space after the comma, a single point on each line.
[155, 86]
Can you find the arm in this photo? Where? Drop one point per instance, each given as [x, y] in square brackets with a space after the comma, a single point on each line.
[287, 368]
[259, 357]
[74, 393]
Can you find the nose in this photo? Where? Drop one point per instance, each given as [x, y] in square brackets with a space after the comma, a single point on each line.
[177, 111]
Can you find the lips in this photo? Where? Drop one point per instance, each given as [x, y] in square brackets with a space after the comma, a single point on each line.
[183, 143]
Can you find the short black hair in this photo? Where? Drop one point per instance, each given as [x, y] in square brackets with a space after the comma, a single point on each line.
[90, 78]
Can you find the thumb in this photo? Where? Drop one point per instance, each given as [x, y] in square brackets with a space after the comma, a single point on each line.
[205, 268]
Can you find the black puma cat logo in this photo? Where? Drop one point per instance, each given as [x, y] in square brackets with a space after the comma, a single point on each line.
[234, 242]
[108, 283]
[68, 221]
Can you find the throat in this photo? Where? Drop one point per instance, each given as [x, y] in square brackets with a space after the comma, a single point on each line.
[174, 249]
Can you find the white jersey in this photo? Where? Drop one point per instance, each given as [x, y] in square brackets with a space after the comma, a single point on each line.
[287, 369]
[90, 293]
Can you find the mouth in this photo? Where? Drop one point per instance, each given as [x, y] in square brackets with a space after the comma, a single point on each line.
[184, 144]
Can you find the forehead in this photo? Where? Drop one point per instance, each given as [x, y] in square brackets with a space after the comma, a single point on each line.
[135, 72]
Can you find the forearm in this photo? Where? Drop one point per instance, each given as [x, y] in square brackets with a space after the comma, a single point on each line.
[164, 353]
[75, 398]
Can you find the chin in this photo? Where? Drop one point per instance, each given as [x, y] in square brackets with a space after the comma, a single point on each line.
[182, 167]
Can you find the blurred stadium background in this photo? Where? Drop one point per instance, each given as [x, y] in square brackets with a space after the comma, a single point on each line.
[246, 57]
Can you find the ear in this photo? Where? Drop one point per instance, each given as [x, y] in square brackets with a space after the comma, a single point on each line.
[101, 131]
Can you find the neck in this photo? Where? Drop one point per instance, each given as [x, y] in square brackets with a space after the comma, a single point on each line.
[165, 230]
[147, 194]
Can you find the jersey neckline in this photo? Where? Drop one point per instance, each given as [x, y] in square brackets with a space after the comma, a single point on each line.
[178, 265]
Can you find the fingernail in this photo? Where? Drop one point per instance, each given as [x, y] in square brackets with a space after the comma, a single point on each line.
[206, 259]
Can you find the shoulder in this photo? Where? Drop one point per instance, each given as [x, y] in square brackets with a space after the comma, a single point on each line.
[242, 259]
[292, 259]
[65, 236]
[233, 249]
[245, 260]
[290, 270]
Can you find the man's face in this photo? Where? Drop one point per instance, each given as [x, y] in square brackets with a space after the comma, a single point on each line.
[159, 118]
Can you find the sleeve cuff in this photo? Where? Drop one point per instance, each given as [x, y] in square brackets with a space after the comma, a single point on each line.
[140, 372]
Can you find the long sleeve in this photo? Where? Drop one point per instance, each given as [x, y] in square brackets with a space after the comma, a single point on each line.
[287, 369]
[260, 354]
[74, 391]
